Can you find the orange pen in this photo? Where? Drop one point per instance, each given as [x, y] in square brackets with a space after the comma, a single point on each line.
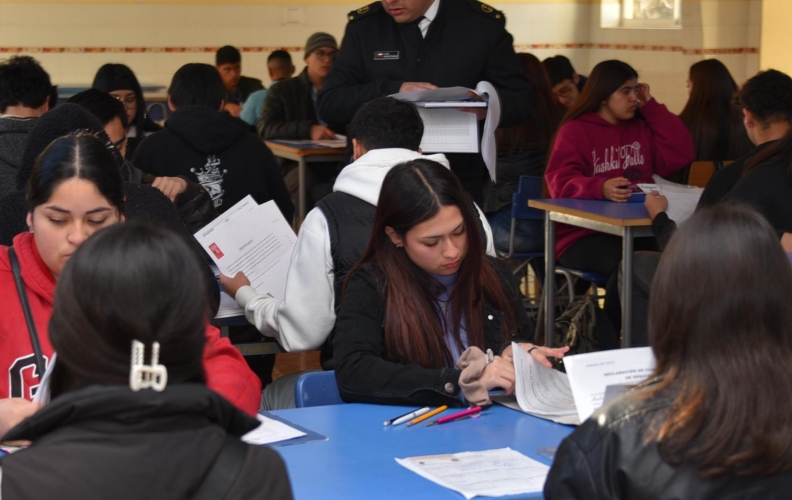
[428, 415]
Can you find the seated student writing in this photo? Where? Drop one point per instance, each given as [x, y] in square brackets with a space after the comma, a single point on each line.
[713, 420]
[109, 431]
[424, 302]
[74, 190]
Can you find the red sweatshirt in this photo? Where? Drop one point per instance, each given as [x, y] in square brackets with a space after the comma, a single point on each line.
[589, 150]
[226, 370]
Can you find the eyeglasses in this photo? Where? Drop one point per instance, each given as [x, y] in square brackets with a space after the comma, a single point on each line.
[323, 56]
[564, 91]
[129, 101]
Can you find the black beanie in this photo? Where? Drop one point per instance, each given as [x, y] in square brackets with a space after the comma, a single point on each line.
[62, 120]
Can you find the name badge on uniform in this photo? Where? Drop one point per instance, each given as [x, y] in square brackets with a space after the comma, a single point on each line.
[385, 55]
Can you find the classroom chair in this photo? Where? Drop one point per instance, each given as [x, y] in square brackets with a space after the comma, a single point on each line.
[702, 171]
[317, 389]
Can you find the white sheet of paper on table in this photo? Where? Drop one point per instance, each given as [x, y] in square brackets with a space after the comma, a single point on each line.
[271, 431]
[488, 473]
[254, 239]
[589, 374]
[542, 391]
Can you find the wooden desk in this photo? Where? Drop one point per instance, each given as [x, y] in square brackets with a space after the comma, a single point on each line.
[628, 220]
[357, 460]
[303, 152]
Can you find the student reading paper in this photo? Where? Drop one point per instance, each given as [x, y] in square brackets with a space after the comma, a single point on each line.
[76, 189]
[713, 419]
[424, 302]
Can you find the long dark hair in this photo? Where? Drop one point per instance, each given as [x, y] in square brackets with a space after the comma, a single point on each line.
[536, 133]
[720, 326]
[713, 120]
[606, 78]
[412, 193]
[112, 77]
[75, 156]
[104, 301]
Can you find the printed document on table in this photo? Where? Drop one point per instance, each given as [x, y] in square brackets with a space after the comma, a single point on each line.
[489, 473]
[541, 391]
[254, 239]
[271, 431]
[591, 373]
[682, 199]
[448, 130]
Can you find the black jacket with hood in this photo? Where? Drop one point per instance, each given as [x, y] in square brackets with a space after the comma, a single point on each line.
[110, 442]
[218, 152]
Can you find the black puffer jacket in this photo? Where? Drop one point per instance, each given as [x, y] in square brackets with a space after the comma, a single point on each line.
[110, 442]
[366, 373]
[607, 458]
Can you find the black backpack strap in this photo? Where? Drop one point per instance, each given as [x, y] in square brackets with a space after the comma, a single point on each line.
[23, 298]
[224, 471]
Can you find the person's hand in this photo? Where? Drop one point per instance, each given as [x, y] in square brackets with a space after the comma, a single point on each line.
[170, 186]
[13, 411]
[318, 133]
[481, 113]
[233, 109]
[655, 203]
[498, 374]
[643, 94]
[416, 86]
[232, 285]
[614, 190]
[786, 242]
[540, 354]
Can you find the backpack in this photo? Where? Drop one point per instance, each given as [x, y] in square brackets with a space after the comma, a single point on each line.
[584, 327]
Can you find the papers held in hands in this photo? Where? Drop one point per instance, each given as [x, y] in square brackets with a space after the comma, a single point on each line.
[254, 239]
[573, 397]
[449, 130]
[682, 199]
[488, 473]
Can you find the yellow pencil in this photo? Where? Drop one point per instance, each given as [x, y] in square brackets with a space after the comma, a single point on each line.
[427, 415]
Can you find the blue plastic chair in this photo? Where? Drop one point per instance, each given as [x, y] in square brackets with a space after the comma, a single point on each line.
[317, 389]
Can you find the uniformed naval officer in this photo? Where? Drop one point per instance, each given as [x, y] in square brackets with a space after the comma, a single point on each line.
[395, 46]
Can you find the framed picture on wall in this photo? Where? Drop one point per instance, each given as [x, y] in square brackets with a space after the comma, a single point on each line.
[651, 13]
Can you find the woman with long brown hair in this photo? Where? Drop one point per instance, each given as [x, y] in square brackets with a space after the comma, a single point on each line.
[424, 301]
[615, 136]
[713, 419]
[523, 150]
[710, 115]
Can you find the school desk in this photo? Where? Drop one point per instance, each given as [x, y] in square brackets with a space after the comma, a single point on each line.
[627, 220]
[357, 460]
[303, 153]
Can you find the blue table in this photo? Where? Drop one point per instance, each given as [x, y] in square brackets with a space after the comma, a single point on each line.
[628, 220]
[357, 461]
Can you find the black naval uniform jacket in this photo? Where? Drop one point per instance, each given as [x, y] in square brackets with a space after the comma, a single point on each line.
[466, 43]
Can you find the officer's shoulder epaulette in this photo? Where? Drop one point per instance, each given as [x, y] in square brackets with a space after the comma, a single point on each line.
[487, 10]
[365, 11]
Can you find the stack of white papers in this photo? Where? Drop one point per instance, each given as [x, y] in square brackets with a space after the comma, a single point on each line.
[448, 130]
[490, 473]
[254, 239]
[573, 397]
[271, 431]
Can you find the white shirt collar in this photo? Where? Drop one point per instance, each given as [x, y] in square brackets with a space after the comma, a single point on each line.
[424, 23]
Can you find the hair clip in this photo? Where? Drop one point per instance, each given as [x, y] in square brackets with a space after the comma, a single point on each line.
[142, 376]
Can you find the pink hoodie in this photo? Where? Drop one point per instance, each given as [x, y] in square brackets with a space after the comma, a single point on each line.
[589, 150]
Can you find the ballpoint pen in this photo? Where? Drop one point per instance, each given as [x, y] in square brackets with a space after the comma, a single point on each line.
[428, 415]
[457, 416]
[407, 416]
